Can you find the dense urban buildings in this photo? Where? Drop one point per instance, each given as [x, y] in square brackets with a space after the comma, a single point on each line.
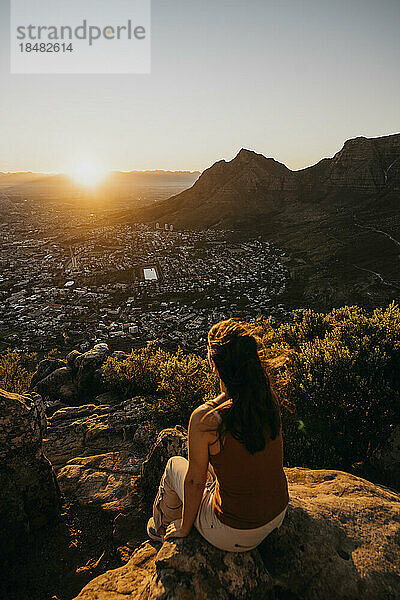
[69, 278]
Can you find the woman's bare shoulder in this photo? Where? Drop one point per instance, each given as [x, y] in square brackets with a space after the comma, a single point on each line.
[205, 415]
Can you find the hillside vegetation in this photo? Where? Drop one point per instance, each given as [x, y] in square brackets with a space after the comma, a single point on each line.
[16, 371]
[339, 382]
[337, 375]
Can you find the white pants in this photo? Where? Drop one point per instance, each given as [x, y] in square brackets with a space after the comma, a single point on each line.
[168, 507]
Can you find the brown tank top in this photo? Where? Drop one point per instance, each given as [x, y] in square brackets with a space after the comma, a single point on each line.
[251, 489]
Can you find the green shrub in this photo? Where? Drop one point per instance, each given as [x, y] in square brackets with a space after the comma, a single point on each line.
[339, 382]
[16, 371]
[337, 375]
[177, 381]
[137, 374]
[186, 381]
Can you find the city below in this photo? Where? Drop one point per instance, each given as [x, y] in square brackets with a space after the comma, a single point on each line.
[71, 278]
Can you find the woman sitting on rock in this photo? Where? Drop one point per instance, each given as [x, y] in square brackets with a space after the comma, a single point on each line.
[233, 489]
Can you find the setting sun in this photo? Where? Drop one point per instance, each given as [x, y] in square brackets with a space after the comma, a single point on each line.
[87, 173]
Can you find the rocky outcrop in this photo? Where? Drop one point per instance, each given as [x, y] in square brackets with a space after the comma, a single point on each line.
[58, 387]
[106, 481]
[45, 368]
[73, 381]
[188, 569]
[91, 430]
[340, 540]
[170, 442]
[367, 165]
[122, 483]
[85, 368]
[29, 496]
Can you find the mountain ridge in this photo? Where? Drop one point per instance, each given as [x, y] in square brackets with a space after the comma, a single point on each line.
[363, 165]
[337, 219]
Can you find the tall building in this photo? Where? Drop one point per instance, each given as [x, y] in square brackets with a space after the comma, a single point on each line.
[74, 260]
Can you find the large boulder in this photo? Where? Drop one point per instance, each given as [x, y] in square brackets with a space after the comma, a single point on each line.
[87, 370]
[340, 540]
[111, 481]
[57, 388]
[29, 496]
[188, 569]
[90, 430]
[45, 368]
[169, 442]
[73, 381]
[106, 481]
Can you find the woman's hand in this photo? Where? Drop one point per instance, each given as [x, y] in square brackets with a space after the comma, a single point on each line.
[175, 530]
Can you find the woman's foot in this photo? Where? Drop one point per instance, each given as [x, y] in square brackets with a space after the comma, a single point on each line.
[155, 535]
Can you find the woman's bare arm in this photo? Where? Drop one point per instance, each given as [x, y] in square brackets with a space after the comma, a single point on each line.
[199, 439]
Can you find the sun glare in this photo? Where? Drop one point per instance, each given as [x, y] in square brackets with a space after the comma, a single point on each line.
[87, 174]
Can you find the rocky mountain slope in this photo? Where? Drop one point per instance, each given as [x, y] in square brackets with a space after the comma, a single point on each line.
[338, 219]
[78, 485]
[339, 539]
[337, 542]
[30, 496]
[239, 192]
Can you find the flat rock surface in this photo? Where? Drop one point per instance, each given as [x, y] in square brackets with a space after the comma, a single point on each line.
[183, 570]
[340, 540]
[90, 430]
[105, 481]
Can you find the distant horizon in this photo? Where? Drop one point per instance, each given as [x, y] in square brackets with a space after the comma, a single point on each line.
[106, 171]
[198, 170]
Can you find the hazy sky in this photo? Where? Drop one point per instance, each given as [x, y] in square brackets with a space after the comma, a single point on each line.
[292, 79]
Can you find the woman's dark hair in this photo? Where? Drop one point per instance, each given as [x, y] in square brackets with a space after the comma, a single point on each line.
[253, 410]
